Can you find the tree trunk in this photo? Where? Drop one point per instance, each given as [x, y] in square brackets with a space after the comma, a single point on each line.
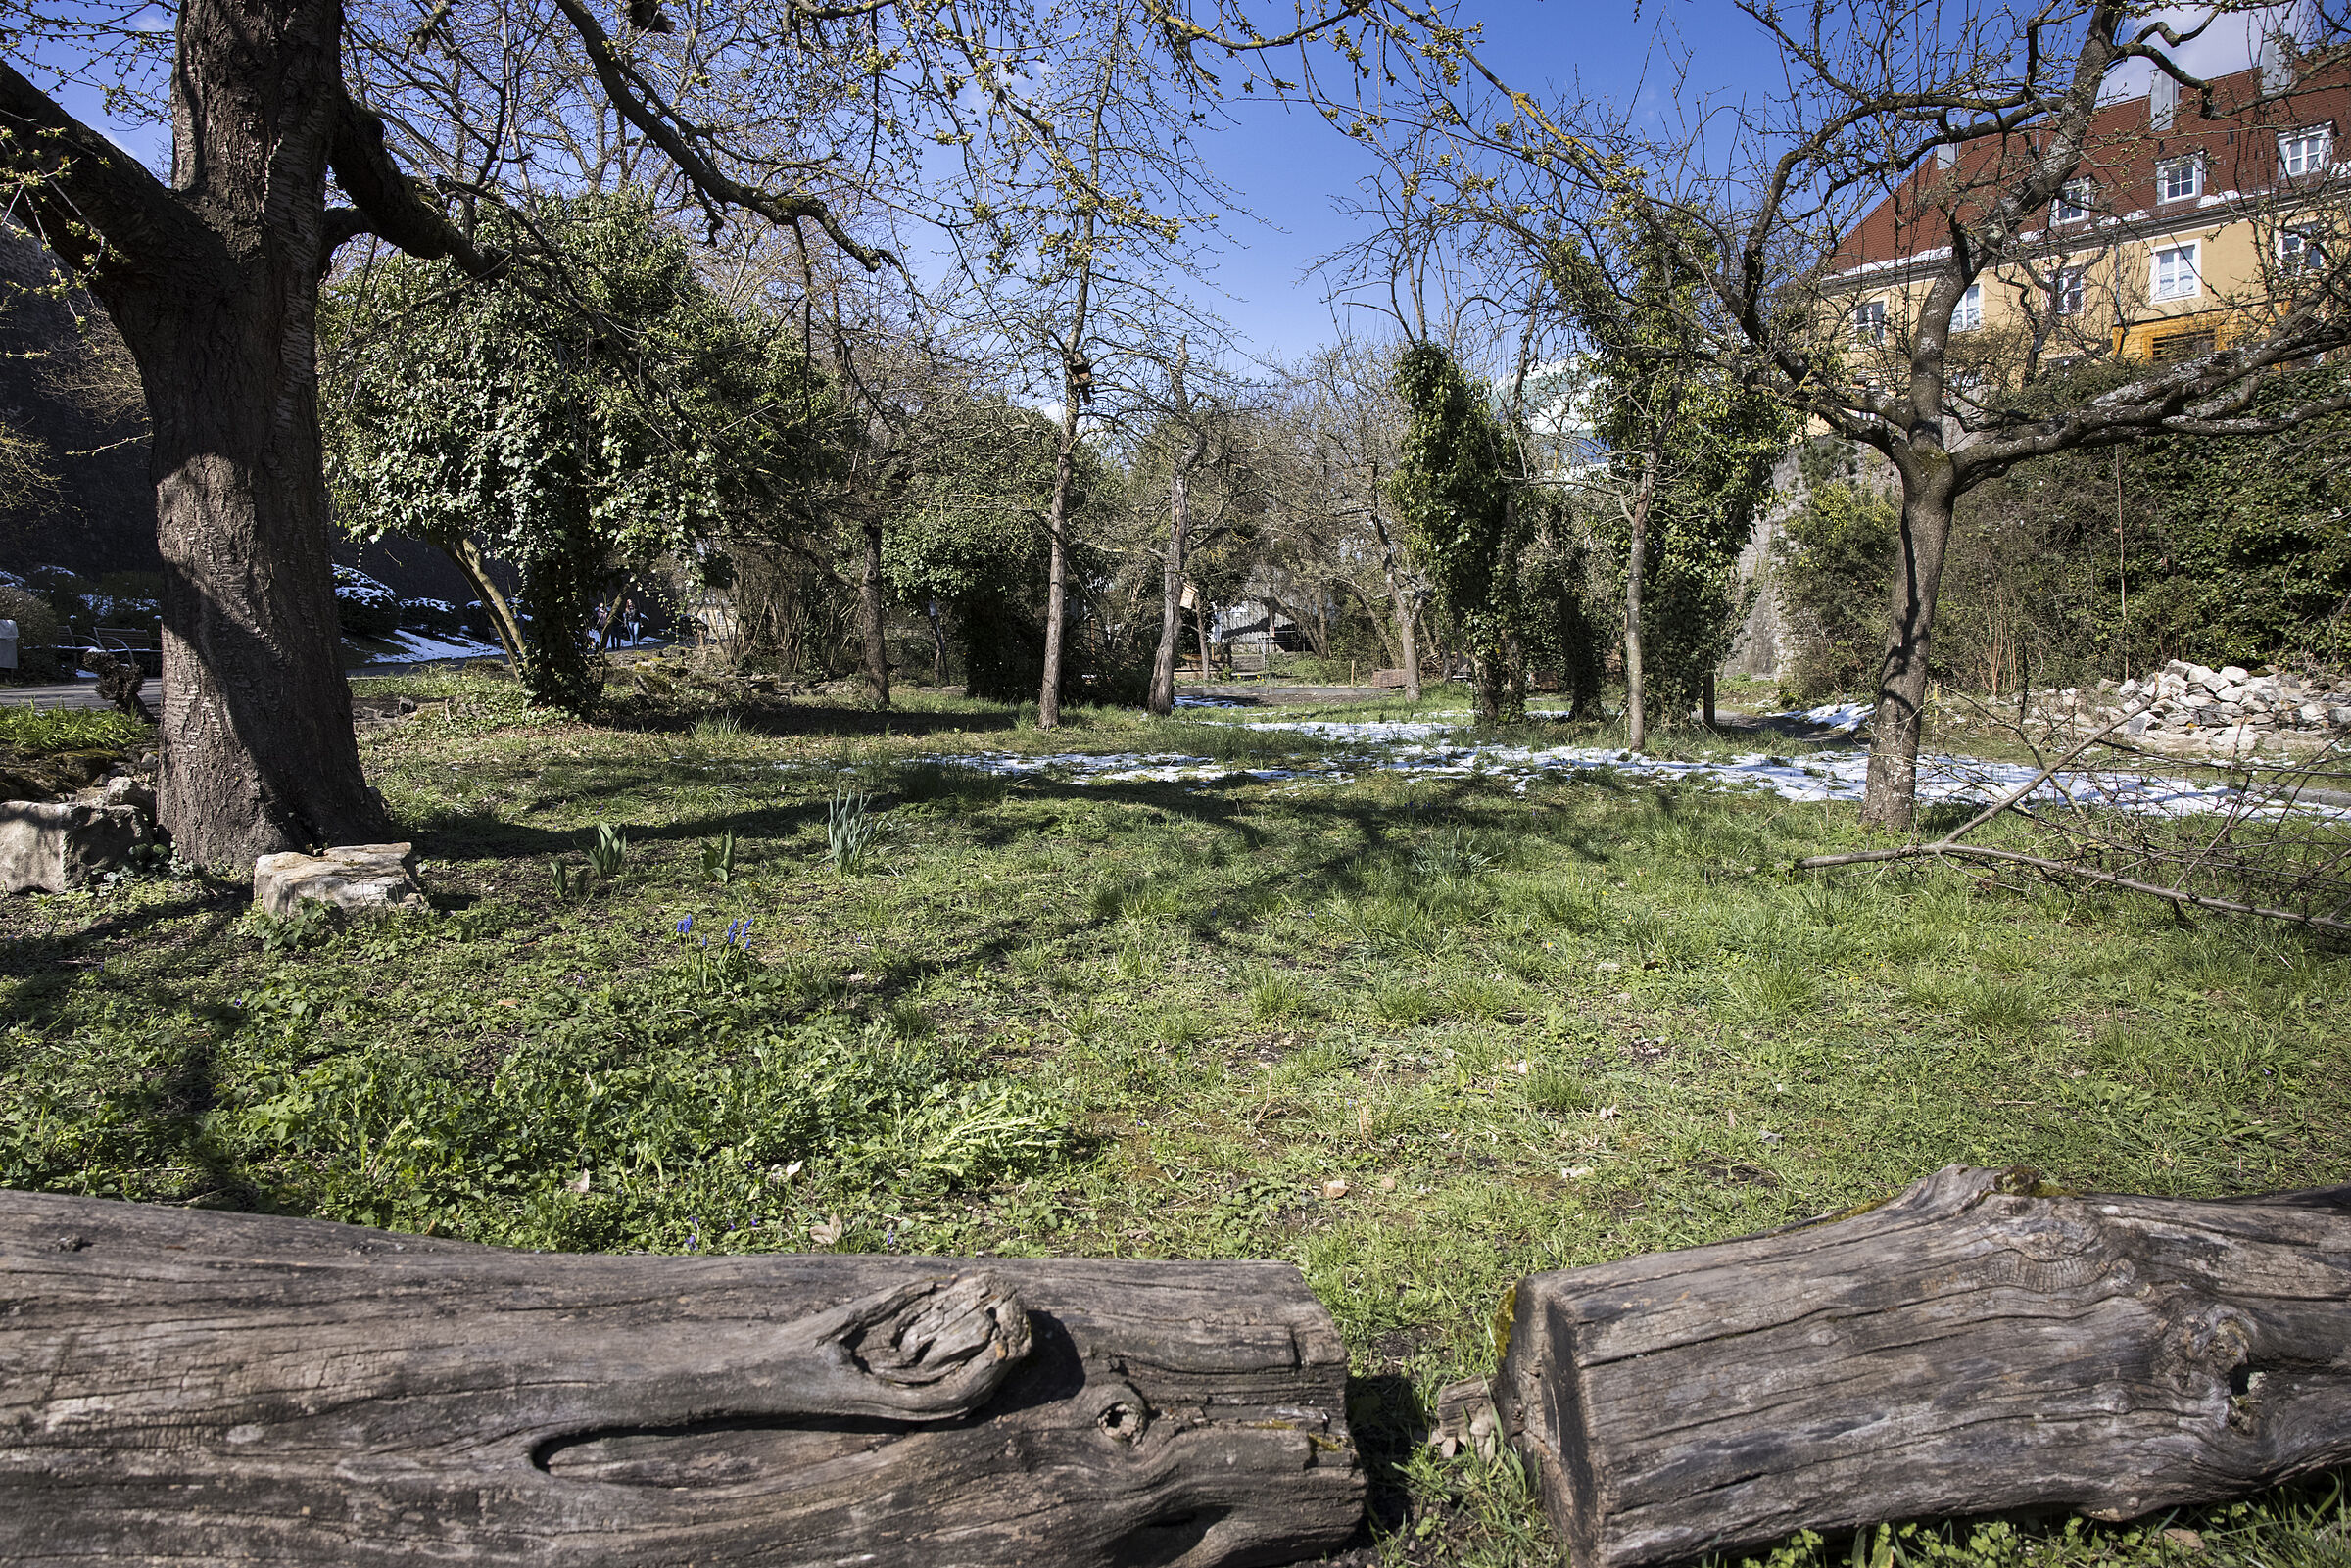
[1170, 577]
[938, 648]
[258, 752]
[869, 605]
[216, 1387]
[504, 625]
[1200, 623]
[1057, 580]
[1636, 693]
[1399, 597]
[1891, 795]
[1971, 1347]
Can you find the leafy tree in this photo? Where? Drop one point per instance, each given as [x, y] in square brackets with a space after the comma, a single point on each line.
[576, 439]
[1690, 450]
[1452, 489]
[1830, 567]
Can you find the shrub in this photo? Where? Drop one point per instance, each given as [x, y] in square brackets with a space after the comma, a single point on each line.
[39, 630]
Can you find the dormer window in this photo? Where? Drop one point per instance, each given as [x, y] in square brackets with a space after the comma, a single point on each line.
[2181, 180]
[2072, 205]
[2304, 152]
[1869, 323]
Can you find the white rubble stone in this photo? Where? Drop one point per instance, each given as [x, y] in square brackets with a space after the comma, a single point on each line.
[356, 879]
[2237, 674]
[56, 846]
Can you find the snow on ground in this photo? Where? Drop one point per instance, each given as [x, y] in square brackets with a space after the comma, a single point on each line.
[1836, 718]
[415, 648]
[1413, 747]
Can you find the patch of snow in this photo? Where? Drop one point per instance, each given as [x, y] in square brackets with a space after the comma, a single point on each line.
[1838, 718]
[415, 648]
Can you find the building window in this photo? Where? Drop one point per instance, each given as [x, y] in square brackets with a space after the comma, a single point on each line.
[2304, 152]
[1869, 323]
[2180, 179]
[2301, 250]
[1968, 314]
[2071, 203]
[2175, 272]
[2182, 346]
[2065, 296]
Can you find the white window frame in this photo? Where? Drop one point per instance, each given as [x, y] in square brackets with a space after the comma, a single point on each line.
[2066, 296]
[2071, 203]
[2191, 249]
[2318, 139]
[1869, 323]
[2193, 163]
[2301, 248]
[1968, 314]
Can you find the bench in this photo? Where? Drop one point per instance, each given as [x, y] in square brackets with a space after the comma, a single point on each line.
[1248, 663]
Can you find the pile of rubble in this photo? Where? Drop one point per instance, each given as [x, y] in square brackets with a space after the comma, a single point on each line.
[2188, 708]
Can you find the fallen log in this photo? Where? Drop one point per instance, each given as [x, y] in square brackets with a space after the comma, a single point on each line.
[1977, 1344]
[208, 1387]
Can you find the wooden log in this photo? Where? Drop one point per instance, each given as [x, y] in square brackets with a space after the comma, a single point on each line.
[211, 1386]
[1978, 1345]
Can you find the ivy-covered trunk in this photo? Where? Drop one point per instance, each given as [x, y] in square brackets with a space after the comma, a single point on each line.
[220, 315]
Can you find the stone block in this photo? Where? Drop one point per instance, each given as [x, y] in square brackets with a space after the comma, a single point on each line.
[57, 846]
[356, 879]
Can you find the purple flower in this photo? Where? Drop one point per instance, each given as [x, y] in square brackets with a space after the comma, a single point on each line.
[685, 924]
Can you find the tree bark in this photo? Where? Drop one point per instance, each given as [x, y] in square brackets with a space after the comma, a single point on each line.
[1400, 598]
[1200, 623]
[213, 283]
[466, 557]
[1170, 577]
[1890, 797]
[1636, 693]
[249, 1387]
[870, 619]
[1974, 1345]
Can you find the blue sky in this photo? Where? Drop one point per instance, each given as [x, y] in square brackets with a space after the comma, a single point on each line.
[1292, 171]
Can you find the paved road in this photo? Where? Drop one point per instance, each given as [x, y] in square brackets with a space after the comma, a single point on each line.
[73, 695]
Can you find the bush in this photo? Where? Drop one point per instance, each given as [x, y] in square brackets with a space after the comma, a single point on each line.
[38, 629]
[1835, 565]
[364, 606]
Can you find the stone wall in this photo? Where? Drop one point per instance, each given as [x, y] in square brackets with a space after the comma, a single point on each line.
[2192, 709]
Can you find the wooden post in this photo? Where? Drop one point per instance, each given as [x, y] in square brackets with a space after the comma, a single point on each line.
[1976, 1344]
[213, 1387]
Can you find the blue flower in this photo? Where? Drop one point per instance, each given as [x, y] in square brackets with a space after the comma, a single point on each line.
[685, 924]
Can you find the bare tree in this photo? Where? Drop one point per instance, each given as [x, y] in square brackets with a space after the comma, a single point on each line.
[1969, 128]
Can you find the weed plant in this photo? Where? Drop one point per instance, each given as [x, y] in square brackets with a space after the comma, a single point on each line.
[1527, 1030]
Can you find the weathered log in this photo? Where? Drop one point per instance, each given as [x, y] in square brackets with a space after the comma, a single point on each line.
[1978, 1345]
[208, 1387]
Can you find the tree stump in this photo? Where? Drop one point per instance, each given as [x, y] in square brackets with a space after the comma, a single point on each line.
[208, 1387]
[1977, 1344]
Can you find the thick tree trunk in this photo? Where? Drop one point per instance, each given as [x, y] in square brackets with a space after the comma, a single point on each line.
[1891, 795]
[258, 752]
[870, 618]
[1971, 1347]
[213, 1387]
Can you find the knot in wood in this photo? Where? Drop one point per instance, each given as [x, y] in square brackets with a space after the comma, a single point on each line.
[1124, 1417]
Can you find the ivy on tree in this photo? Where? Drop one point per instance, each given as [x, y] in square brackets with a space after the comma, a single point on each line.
[579, 418]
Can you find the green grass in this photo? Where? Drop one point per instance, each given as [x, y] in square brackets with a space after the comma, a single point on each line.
[1529, 1030]
[30, 734]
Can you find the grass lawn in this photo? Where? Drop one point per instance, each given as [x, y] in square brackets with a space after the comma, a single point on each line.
[1418, 1034]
